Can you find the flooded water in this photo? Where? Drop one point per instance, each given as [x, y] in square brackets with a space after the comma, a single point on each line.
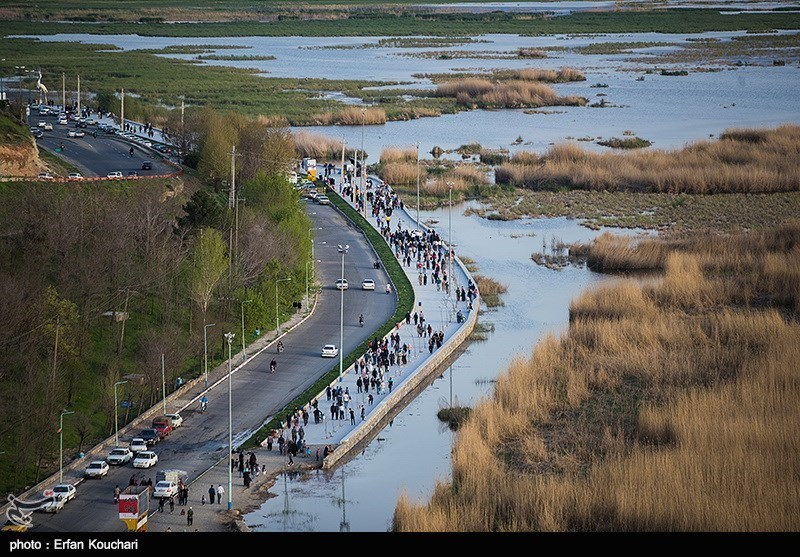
[413, 453]
[670, 111]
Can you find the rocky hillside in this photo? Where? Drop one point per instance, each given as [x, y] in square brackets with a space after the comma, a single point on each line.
[19, 155]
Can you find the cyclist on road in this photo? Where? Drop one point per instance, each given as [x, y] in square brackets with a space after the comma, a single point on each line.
[361, 319]
[273, 365]
[203, 403]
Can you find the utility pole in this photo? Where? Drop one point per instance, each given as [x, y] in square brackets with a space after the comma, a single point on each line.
[341, 180]
[236, 231]
[124, 320]
[417, 185]
[122, 112]
[64, 91]
[183, 134]
[79, 96]
[363, 162]
[163, 383]
[232, 190]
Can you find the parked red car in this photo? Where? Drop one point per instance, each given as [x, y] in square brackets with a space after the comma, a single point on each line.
[163, 426]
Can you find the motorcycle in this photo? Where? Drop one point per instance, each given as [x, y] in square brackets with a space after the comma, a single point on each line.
[280, 347]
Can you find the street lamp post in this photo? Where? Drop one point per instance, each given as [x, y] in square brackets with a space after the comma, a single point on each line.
[163, 384]
[116, 417]
[343, 251]
[61, 446]
[205, 348]
[244, 347]
[313, 259]
[417, 185]
[277, 320]
[450, 245]
[229, 337]
[363, 162]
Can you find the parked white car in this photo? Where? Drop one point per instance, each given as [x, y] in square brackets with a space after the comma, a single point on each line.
[96, 469]
[177, 420]
[145, 459]
[53, 506]
[330, 351]
[138, 445]
[119, 456]
[165, 488]
[63, 492]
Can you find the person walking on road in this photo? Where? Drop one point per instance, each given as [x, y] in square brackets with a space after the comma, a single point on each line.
[211, 494]
[189, 516]
[220, 493]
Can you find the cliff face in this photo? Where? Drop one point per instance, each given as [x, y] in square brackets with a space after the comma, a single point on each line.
[20, 160]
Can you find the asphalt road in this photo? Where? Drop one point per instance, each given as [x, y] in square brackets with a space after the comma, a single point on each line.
[257, 394]
[97, 156]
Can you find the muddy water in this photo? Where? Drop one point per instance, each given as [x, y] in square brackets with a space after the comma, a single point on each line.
[413, 453]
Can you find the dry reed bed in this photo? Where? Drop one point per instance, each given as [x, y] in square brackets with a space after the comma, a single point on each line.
[746, 160]
[483, 93]
[490, 290]
[399, 154]
[317, 145]
[662, 408]
[351, 116]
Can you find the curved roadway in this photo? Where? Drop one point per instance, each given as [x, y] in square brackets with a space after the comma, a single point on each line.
[97, 156]
[257, 394]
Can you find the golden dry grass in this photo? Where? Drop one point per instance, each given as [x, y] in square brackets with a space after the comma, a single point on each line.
[402, 173]
[351, 116]
[669, 407]
[519, 93]
[552, 76]
[747, 161]
[317, 145]
[399, 154]
[469, 174]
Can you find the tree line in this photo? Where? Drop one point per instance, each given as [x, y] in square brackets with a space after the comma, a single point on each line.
[97, 282]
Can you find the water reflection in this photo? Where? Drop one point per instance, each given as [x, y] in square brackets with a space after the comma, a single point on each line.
[412, 454]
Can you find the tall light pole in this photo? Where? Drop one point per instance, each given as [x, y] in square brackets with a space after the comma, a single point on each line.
[363, 161]
[229, 337]
[277, 321]
[205, 348]
[163, 383]
[116, 412]
[450, 238]
[61, 446]
[417, 185]
[450, 247]
[244, 347]
[343, 251]
[311, 240]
